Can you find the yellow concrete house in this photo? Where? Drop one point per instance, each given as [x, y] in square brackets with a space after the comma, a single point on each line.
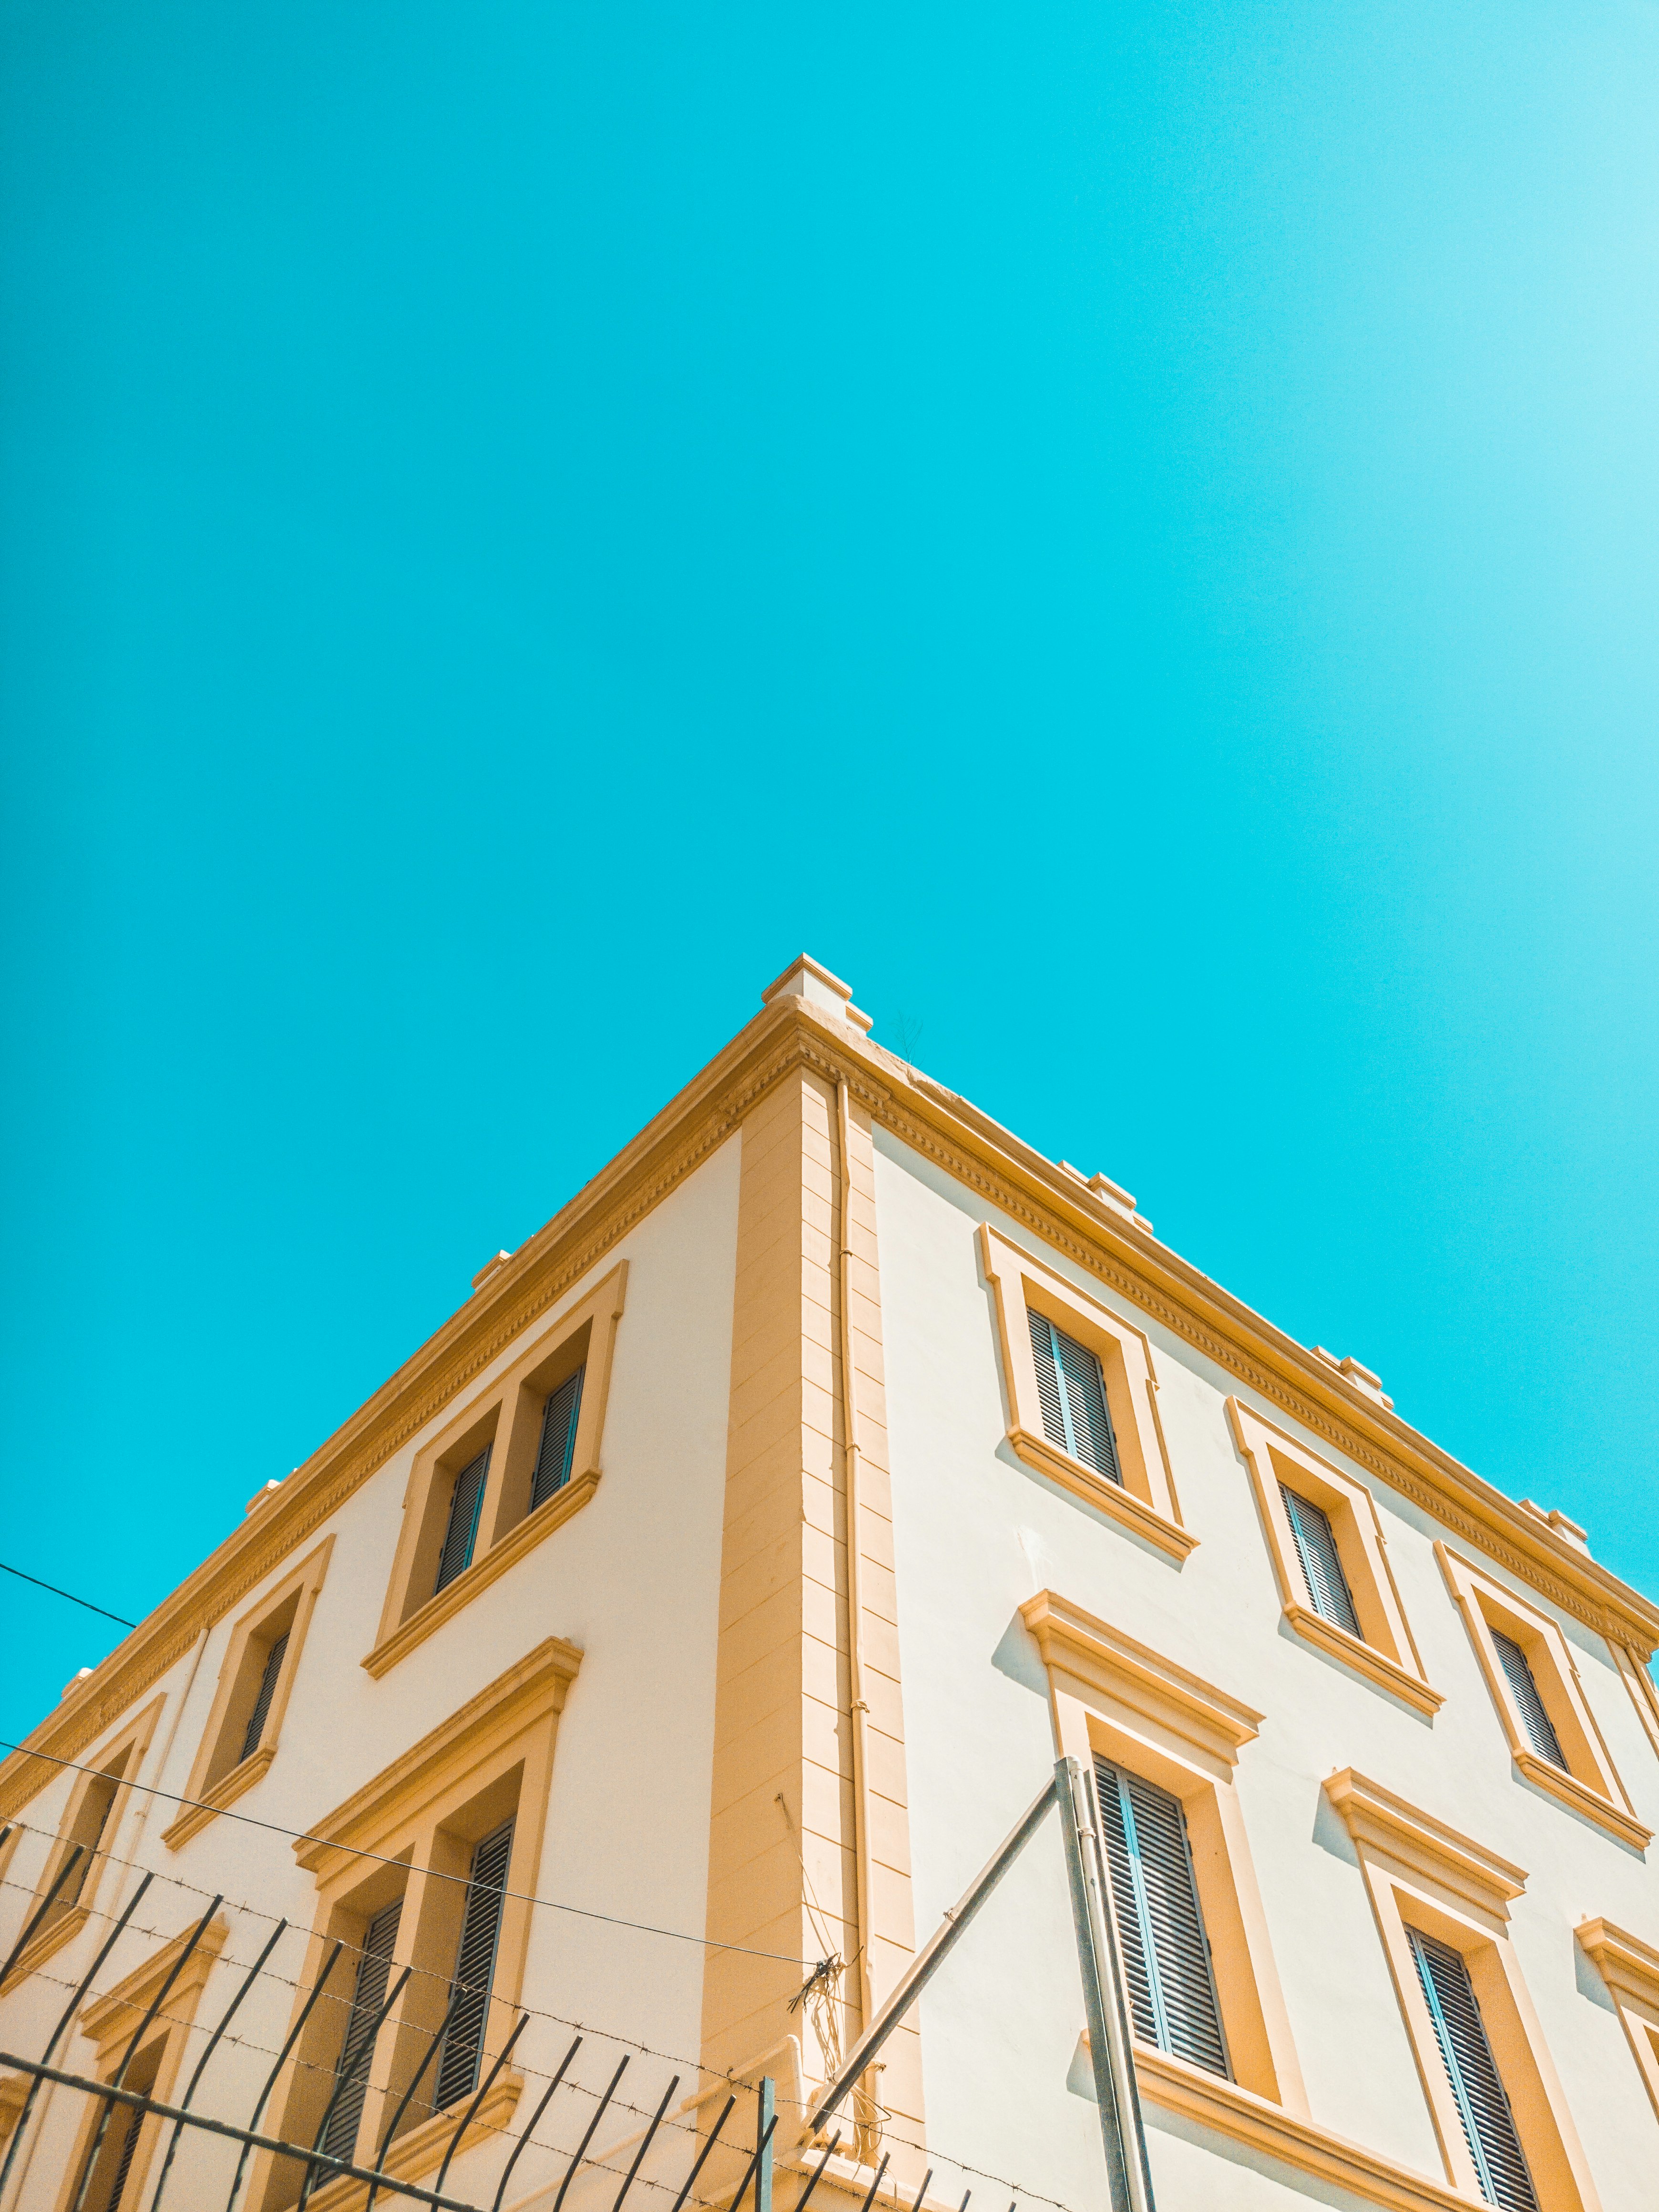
[550, 1786]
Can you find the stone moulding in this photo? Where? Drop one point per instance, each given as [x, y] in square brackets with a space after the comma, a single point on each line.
[1295, 2142]
[956, 1138]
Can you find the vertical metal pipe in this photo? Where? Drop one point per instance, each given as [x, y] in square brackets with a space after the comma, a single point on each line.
[766, 2118]
[1111, 2053]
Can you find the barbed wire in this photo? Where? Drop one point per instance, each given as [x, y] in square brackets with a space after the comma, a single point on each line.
[697, 2067]
[380, 1858]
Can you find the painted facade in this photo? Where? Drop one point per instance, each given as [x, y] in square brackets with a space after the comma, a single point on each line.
[757, 1656]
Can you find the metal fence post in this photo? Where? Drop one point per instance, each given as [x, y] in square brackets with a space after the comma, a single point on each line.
[1110, 2050]
[765, 2120]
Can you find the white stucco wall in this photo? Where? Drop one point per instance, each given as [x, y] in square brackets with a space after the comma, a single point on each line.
[632, 1579]
[977, 1533]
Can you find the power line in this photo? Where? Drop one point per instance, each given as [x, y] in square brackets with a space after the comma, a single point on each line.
[353, 1851]
[69, 1594]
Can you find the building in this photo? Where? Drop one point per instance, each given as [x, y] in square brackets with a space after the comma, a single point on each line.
[708, 1599]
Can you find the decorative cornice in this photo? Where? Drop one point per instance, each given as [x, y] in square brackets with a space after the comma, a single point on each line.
[532, 1687]
[1379, 1821]
[792, 1033]
[1073, 1642]
[115, 2014]
[1626, 1963]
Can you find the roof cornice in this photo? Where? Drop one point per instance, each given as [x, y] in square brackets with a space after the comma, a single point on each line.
[1048, 1202]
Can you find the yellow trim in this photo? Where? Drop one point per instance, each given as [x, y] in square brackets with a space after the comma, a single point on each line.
[1290, 2137]
[1111, 1695]
[14, 2094]
[1379, 1821]
[1630, 1968]
[534, 1686]
[1421, 1873]
[1643, 1691]
[508, 1418]
[792, 1034]
[109, 2023]
[1145, 1501]
[66, 1924]
[419, 1818]
[1387, 1652]
[1102, 1660]
[231, 1699]
[420, 2150]
[552, 1513]
[1592, 1787]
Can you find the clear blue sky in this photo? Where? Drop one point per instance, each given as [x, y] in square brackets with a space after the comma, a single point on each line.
[1132, 532]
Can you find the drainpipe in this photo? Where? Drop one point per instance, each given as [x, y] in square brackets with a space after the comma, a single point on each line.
[859, 1709]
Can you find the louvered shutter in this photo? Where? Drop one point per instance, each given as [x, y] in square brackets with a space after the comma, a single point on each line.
[475, 1967]
[1322, 1566]
[1488, 2124]
[135, 2120]
[1535, 1719]
[1166, 1955]
[558, 1439]
[1072, 1392]
[339, 2137]
[256, 1719]
[464, 1505]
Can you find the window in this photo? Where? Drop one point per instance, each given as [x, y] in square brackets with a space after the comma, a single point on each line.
[456, 1827]
[1630, 1968]
[475, 1967]
[85, 1837]
[1162, 1746]
[1441, 1902]
[1072, 1392]
[461, 1531]
[117, 2173]
[1166, 1955]
[1535, 1723]
[506, 1472]
[256, 1678]
[1471, 2075]
[1533, 1678]
[1330, 1559]
[1082, 1396]
[1320, 1560]
[337, 2135]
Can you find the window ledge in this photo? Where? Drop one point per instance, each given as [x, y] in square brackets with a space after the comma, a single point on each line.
[551, 1514]
[228, 1788]
[1364, 1658]
[419, 2150]
[52, 1937]
[1583, 1799]
[1268, 2128]
[1111, 1498]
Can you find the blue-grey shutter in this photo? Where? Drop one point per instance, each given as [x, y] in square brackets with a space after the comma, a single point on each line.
[558, 1439]
[1166, 1955]
[339, 2138]
[1072, 1391]
[466, 1502]
[1321, 1568]
[1489, 2129]
[256, 1719]
[475, 1967]
[1540, 1728]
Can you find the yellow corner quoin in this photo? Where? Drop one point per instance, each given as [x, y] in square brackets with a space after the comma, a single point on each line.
[701, 1768]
